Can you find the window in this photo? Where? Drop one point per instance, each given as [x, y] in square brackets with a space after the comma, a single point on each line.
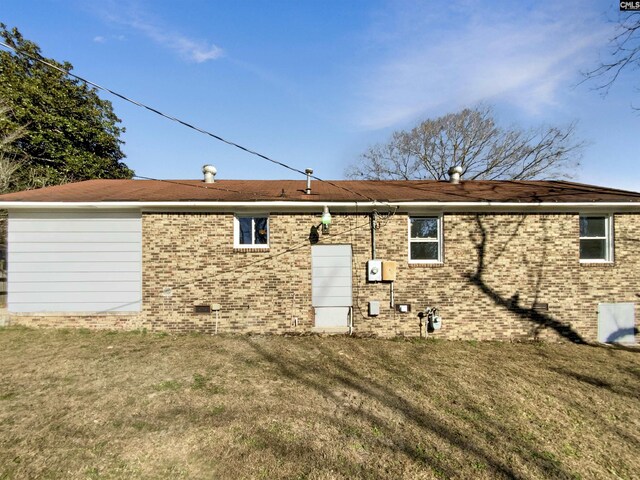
[595, 238]
[251, 231]
[425, 239]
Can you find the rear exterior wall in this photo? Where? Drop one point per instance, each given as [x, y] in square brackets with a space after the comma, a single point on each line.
[495, 267]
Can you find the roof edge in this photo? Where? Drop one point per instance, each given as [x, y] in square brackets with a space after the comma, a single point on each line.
[313, 206]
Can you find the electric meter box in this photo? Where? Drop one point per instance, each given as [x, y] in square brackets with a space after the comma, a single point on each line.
[374, 270]
[389, 271]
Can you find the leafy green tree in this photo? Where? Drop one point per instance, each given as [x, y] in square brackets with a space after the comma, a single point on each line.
[10, 161]
[70, 133]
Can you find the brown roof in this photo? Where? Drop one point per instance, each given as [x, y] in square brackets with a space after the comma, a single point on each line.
[337, 190]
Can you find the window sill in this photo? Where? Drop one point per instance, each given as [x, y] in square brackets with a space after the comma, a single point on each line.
[426, 264]
[591, 263]
[250, 249]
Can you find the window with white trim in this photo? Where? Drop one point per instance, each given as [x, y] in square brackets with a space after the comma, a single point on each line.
[251, 231]
[425, 239]
[595, 238]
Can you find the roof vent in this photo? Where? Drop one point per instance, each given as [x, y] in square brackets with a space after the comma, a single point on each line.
[209, 173]
[454, 174]
[309, 172]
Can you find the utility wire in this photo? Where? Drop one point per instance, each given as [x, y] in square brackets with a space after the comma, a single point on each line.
[175, 182]
[221, 139]
[246, 266]
[206, 187]
[181, 122]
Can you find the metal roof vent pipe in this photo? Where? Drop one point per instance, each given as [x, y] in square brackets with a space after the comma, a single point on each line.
[209, 173]
[454, 174]
[309, 172]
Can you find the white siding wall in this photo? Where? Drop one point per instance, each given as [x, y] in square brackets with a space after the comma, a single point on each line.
[75, 261]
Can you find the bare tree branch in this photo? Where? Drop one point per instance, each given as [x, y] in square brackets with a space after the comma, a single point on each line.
[624, 53]
[472, 140]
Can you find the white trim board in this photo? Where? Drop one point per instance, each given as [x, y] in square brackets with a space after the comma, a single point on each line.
[313, 206]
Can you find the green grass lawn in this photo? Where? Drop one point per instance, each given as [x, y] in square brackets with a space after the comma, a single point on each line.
[79, 404]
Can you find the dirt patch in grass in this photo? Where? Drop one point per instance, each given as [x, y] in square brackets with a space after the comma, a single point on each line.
[129, 405]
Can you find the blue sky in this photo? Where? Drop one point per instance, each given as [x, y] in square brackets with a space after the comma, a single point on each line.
[314, 83]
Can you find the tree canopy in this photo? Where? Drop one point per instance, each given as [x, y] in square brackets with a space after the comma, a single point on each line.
[70, 133]
[472, 140]
[10, 162]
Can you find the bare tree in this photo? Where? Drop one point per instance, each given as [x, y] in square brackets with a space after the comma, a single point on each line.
[624, 53]
[472, 140]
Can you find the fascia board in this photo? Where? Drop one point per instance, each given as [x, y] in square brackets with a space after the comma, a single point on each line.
[284, 206]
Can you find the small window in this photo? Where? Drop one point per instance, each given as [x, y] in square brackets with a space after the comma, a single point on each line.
[425, 239]
[251, 231]
[595, 238]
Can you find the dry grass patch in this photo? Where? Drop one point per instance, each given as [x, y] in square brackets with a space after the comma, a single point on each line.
[77, 404]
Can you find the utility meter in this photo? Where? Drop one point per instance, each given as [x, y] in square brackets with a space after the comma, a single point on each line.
[374, 270]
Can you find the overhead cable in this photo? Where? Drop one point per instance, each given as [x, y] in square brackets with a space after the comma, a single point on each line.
[181, 122]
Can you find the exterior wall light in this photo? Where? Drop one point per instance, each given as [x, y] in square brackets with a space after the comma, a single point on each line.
[326, 220]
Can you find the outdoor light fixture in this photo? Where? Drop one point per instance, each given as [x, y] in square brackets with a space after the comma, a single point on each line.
[326, 220]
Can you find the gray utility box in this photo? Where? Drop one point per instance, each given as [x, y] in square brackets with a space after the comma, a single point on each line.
[374, 308]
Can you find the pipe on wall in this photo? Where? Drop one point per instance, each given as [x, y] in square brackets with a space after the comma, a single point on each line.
[372, 218]
[391, 295]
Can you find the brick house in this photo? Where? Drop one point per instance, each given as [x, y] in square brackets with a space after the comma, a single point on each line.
[503, 260]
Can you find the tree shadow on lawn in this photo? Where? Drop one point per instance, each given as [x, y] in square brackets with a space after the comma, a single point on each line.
[594, 411]
[538, 319]
[479, 416]
[421, 418]
[629, 391]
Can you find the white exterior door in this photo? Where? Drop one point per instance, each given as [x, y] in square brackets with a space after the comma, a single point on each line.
[331, 287]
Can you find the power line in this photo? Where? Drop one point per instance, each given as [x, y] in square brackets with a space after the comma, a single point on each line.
[246, 266]
[175, 182]
[181, 122]
[228, 142]
[290, 249]
[206, 187]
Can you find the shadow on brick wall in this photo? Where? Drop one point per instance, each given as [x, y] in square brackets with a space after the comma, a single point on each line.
[539, 320]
